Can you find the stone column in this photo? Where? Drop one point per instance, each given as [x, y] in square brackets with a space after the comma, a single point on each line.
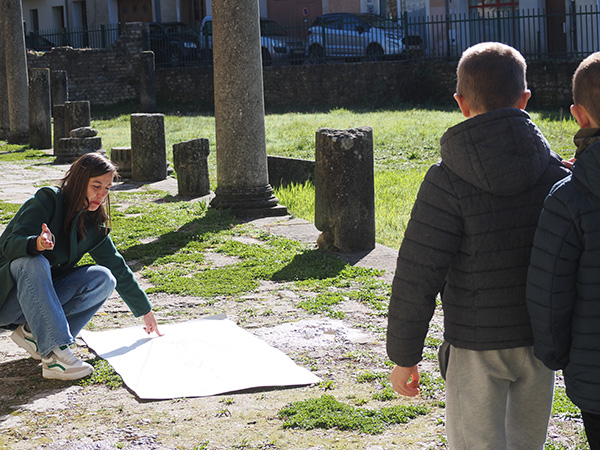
[59, 88]
[148, 147]
[345, 189]
[16, 71]
[191, 166]
[148, 83]
[242, 176]
[4, 118]
[40, 119]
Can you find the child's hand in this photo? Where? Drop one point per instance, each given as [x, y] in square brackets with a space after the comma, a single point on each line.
[405, 380]
[569, 163]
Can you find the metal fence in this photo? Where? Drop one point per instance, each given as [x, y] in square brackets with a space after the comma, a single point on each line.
[537, 34]
[97, 36]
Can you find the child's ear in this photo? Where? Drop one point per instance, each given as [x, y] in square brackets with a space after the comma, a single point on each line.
[525, 96]
[462, 104]
[581, 116]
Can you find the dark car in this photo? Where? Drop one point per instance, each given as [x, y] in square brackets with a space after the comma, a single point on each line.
[276, 44]
[173, 44]
[365, 36]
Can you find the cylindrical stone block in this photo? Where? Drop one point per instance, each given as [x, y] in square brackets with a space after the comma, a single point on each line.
[147, 83]
[148, 147]
[345, 189]
[191, 166]
[59, 88]
[121, 157]
[40, 120]
[16, 71]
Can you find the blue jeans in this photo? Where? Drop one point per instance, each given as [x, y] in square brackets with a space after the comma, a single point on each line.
[55, 310]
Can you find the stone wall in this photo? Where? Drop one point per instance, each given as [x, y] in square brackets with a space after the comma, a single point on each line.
[112, 76]
[368, 85]
[102, 76]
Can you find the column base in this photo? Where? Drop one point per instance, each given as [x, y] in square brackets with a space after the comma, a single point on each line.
[249, 202]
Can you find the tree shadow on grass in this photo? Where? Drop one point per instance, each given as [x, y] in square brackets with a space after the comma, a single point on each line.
[169, 243]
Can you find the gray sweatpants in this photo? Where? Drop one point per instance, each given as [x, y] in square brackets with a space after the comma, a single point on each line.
[497, 399]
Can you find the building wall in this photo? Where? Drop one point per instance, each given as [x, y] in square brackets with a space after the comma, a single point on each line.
[46, 12]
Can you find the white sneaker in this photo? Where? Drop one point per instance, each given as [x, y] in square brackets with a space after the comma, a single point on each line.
[26, 341]
[63, 365]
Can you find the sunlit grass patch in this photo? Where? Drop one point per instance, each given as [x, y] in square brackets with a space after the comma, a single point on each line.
[103, 374]
[327, 413]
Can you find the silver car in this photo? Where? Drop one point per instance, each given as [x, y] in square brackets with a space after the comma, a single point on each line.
[365, 36]
[276, 44]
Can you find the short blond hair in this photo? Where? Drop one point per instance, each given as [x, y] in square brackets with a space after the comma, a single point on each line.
[490, 76]
[586, 85]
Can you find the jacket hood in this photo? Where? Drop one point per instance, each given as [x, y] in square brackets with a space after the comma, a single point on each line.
[586, 169]
[501, 152]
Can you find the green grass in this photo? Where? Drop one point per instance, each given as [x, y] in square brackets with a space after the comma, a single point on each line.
[406, 143]
[326, 413]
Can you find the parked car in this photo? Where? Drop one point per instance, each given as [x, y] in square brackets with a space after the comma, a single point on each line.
[366, 36]
[276, 44]
[173, 43]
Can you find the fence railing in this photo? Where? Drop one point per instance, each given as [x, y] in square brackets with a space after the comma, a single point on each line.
[537, 34]
[96, 36]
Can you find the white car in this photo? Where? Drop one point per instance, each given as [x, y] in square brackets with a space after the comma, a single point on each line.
[366, 36]
[276, 44]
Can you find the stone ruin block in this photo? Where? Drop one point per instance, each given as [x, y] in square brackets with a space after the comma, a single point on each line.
[345, 189]
[191, 166]
[148, 147]
[72, 148]
[121, 157]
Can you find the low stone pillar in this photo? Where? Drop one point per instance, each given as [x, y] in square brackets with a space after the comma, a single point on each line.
[147, 83]
[77, 115]
[345, 189]
[40, 119]
[148, 147]
[121, 157]
[60, 128]
[191, 166]
[59, 89]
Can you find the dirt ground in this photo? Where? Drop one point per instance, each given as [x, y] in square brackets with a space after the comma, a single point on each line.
[37, 413]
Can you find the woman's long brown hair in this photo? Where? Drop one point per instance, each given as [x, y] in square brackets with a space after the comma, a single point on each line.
[74, 188]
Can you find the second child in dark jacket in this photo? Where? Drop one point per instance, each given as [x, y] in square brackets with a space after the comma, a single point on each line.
[563, 289]
[469, 238]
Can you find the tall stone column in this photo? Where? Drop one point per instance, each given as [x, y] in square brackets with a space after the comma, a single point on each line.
[16, 71]
[242, 175]
[4, 121]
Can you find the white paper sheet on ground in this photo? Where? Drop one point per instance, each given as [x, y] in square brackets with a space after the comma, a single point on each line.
[194, 359]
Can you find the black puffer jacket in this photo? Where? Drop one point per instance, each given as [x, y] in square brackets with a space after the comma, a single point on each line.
[470, 237]
[563, 286]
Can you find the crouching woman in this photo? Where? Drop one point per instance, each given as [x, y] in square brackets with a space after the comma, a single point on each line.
[44, 296]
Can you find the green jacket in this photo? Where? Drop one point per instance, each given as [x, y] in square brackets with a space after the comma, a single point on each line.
[47, 206]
